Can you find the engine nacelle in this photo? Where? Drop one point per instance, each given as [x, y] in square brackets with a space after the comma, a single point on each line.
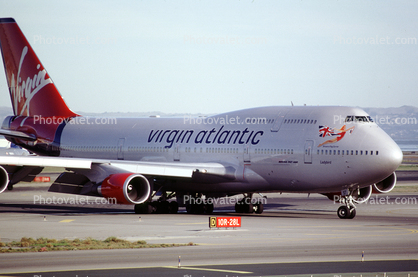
[385, 185]
[4, 179]
[126, 188]
[362, 195]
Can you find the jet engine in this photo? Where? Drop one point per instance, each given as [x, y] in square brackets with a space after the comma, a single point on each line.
[126, 188]
[385, 185]
[362, 195]
[4, 179]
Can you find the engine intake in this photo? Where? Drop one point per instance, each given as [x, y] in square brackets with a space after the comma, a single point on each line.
[385, 185]
[4, 179]
[126, 188]
[362, 195]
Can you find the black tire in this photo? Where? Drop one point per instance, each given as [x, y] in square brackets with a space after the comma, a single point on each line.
[163, 207]
[173, 207]
[239, 207]
[343, 212]
[352, 213]
[259, 208]
[249, 208]
[243, 207]
[209, 208]
[189, 208]
[144, 208]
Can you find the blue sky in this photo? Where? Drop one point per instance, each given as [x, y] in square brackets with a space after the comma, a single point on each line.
[218, 56]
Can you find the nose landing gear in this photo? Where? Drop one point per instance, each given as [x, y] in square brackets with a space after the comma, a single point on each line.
[349, 210]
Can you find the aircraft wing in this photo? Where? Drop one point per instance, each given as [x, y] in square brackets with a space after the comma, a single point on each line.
[17, 134]
[97, 169]
[130, 182]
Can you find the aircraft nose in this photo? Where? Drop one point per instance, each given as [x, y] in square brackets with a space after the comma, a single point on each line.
[393, 157]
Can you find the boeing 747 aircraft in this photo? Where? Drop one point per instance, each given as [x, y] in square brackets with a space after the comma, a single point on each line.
[336, 151]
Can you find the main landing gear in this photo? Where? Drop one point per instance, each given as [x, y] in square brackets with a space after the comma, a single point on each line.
[161, 206]
[158, 207]
[349, 210]
[247, 205]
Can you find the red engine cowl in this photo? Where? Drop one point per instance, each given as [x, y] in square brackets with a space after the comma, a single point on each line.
[126, 188]
[385, 185]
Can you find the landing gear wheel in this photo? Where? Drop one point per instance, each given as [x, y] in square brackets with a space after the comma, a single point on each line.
[173, 207]
[162, 207]
[352, 213]
[208, 208]
[144, 208]
[259, 208]
[10, 187]
[239, 207]
[243, 207]
[343, 212]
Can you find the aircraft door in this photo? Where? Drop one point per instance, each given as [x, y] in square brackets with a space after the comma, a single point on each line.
[177, 152]
[121, 142]
[279, 120]
[247, 158]
[308, 151]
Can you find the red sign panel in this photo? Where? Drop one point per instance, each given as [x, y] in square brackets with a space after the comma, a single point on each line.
[224, 222]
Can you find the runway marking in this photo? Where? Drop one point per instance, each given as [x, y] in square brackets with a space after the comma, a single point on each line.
[209, 269]
[66, 220]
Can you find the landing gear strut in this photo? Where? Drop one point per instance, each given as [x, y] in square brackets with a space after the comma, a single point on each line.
[197, 205]
[161, 206]
[247, 205]
[349, 210]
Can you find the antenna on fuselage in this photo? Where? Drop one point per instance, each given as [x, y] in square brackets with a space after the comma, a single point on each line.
[292, 103]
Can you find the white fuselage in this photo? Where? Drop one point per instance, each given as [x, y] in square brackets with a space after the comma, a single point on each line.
[267, 149]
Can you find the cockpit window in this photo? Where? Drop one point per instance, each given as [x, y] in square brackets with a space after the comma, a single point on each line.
[352, 118]
[361, 119]
[349, 118]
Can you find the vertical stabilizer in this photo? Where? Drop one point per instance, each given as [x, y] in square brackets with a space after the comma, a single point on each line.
[31, 89]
